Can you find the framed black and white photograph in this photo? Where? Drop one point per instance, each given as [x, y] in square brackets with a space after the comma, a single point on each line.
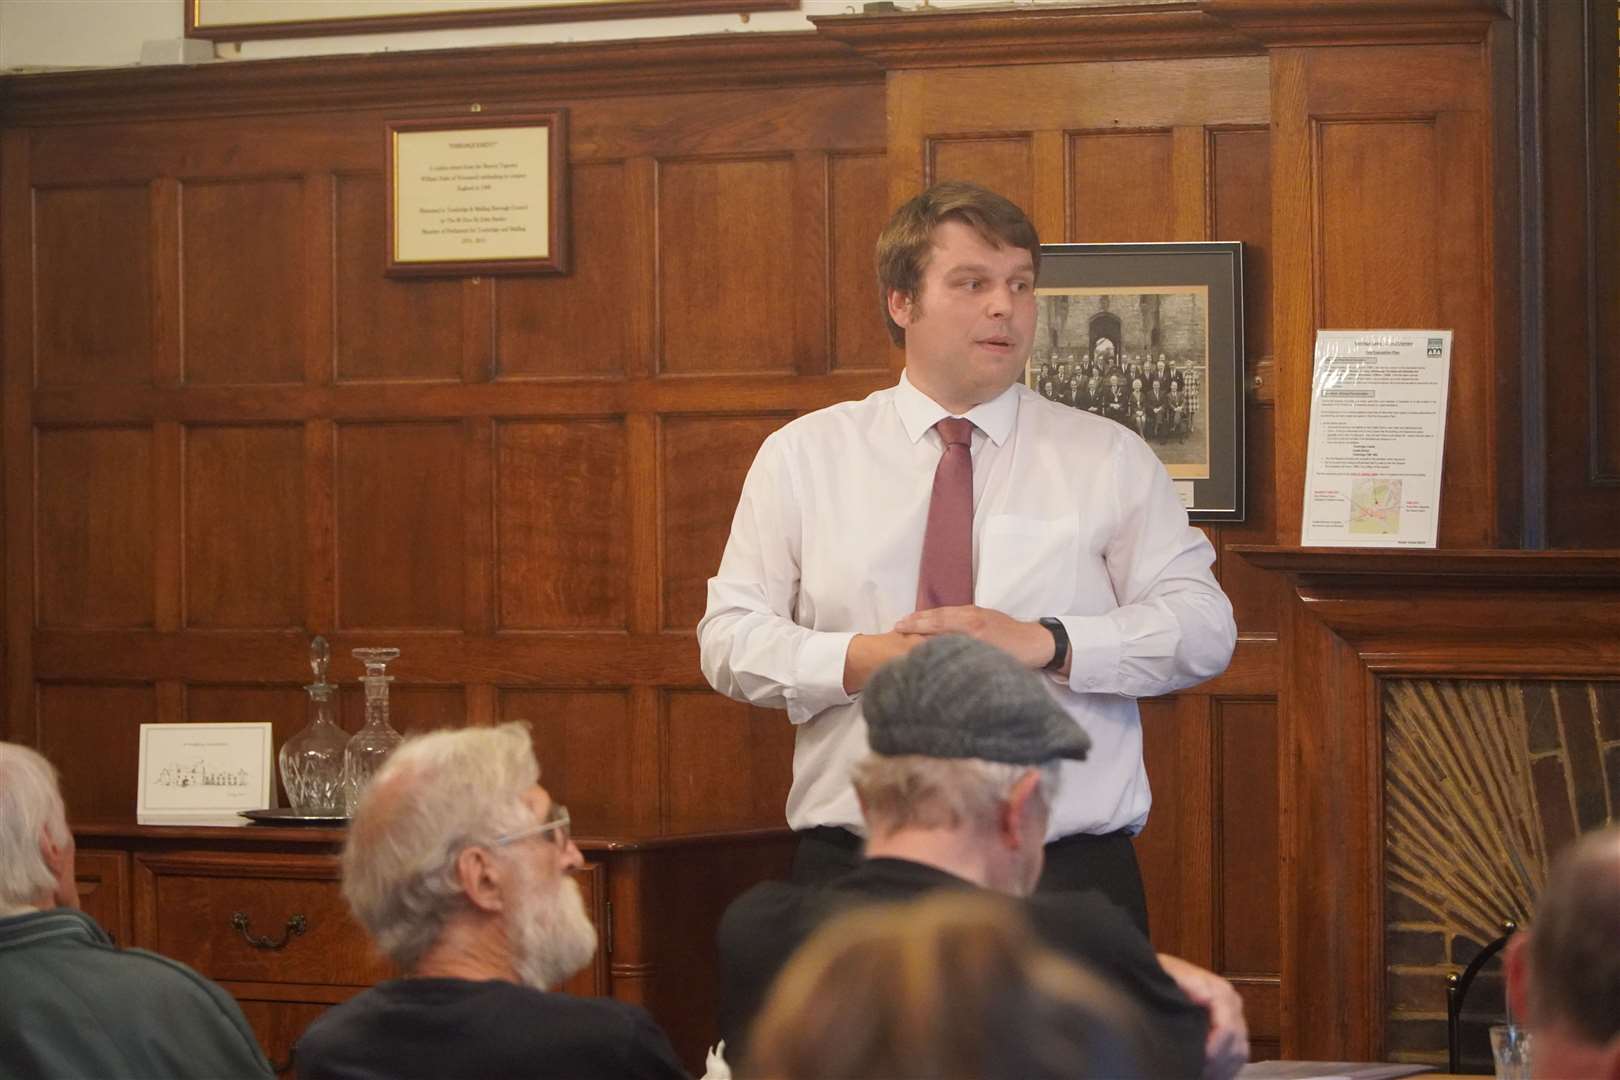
[1151, 336]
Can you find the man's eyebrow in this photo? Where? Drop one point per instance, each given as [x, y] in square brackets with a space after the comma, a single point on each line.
[981, 268]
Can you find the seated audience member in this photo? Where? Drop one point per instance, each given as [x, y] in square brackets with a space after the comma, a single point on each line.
[72, 1004]
[956, 795]
[457, 864]
[954, 986]
[1564, 973]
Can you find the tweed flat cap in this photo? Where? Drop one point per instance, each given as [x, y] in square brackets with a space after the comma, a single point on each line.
[956, 697]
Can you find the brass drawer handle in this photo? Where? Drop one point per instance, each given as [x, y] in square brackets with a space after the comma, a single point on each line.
[295, 926]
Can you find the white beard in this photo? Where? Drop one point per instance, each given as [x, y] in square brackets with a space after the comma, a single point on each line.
[550, 935]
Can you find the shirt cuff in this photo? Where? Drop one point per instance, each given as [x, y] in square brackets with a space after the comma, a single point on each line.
[818, 682]
[1097, 649]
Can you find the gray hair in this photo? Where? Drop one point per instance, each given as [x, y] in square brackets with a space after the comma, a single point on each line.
[1574, 962]
[436, 796]
[30, 807]
[914, 791]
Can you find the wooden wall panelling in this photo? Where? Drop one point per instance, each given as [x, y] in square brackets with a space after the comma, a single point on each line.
[242, 279]
[96, 530]
[1248, 905]
[1581, 292]
[1392, 146]
[244, 519]
[91, 732]
[703, 461]
[1123, 189]
[857, 197]
[586, 747]
[400, 544]
[576, 325]
[725, 265]
[93, 281]
[562, 516]
[725, 764]
[1003, 163]
[102, 881]
[388, 328]
[1175, 850]
[18, 720]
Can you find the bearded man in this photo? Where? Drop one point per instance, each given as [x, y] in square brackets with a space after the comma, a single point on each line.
[457, 864]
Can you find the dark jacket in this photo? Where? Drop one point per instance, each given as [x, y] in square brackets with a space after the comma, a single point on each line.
[765, 925]
[72, 1004]
[440, 1029]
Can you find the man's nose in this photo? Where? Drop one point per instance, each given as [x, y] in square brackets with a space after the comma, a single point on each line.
[998, 301]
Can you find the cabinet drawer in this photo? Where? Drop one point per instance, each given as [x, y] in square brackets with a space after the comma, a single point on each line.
[253, 918]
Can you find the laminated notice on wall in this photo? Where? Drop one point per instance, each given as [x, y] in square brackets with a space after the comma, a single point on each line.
[1377, 439]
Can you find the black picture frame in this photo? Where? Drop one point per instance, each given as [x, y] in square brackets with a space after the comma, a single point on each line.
[1103, 307]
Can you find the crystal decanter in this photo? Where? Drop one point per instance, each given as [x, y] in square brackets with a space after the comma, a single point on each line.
[373, 743]
[312, 760]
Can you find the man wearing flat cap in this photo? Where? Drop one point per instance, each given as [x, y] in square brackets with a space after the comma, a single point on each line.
[956, 793]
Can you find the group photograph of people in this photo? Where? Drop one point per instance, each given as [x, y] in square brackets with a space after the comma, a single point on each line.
[1088, 357]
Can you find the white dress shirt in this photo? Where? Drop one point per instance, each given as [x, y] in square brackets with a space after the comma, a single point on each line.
[1073, 517]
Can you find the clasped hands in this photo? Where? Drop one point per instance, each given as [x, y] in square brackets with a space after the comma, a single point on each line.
[1029, 643]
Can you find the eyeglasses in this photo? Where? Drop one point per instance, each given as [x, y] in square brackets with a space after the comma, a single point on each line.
[556, 823]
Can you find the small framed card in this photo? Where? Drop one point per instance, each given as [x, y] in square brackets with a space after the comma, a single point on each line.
[203, 774]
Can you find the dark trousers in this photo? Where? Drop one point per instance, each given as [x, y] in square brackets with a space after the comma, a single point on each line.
[1106, 864]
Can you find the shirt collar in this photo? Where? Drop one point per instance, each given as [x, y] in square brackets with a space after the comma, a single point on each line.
[919, 412]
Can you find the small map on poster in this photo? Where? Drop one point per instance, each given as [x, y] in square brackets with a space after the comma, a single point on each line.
[1378, 436]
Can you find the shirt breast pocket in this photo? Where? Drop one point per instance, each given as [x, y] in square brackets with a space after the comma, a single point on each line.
[1027, 565]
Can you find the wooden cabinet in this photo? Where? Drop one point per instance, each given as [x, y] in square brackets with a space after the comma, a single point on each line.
[261, 912]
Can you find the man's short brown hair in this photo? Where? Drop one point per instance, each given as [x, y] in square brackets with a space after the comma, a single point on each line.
[904, 245]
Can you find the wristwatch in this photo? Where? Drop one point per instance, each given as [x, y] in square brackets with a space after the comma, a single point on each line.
[1060, 643]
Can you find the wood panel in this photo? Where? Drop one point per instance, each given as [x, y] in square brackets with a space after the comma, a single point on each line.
[242, 275]
[102, 881]
[572, 731]
[96, 527]
[561, 525]
[857, 201]
[244, 512]
[1375, 156]
[1005, 164]
[1247, 843]
[1578, 298]
[703, 463]
[726, 764]
[388, 328]
[577, 325]
[93, 282]
[400, 542]
[1122, 187]
[92, 735]
[725, 298]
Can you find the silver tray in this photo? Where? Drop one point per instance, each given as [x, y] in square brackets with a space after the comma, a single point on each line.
[286, 815]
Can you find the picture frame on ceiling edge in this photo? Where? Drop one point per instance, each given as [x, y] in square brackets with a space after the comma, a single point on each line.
[1168, 317]
[251, 20]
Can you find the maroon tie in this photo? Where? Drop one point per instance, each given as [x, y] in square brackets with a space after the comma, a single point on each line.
[946, 577]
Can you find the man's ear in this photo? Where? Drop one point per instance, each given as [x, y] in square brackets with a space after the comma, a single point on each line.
[480, 875]
[59, 859]
[900, 306]
[1022, 800]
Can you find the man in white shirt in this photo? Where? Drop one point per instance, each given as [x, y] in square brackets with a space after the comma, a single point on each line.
[1081, 556]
